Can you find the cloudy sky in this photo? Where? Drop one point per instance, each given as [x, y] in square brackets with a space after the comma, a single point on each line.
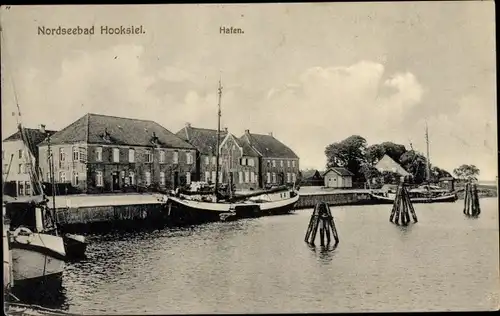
[312, 74]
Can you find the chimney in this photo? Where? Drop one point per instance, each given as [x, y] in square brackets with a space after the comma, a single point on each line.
[188, 124]
[247, 131]
[42, 129]
[225, 129]
[270, 133]
[154, 135]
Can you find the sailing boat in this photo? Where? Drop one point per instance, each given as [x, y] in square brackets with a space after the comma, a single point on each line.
[426, 193]
[223, 206]
[38, 257]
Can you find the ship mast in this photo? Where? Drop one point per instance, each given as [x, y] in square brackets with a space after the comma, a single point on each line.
[219, 92]
[428, 162]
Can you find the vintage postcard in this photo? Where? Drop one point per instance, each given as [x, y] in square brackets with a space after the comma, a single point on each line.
[249, 158]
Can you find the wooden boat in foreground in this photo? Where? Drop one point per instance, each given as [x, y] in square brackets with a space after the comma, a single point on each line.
[38, 258]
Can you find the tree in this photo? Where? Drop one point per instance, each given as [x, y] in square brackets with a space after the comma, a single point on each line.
[416, 164]
[438, 173]
[375, 152]
[391, 177]
[349, 153]
[369, 172]
[466, 172]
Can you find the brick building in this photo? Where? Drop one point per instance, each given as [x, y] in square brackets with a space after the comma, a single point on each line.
[237, 159]
[99, 153]
[278, 164]
[24, 155]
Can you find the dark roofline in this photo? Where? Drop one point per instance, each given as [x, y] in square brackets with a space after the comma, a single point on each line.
[14, 136]
[337, 172]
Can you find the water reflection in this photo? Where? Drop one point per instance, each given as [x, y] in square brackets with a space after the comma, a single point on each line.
[52, 297]
[324, 253]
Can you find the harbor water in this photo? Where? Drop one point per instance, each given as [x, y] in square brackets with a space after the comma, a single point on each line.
[444, 262]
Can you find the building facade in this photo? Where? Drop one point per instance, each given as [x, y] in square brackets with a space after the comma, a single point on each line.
[278, 164]
[236, 160]
[20, 158]
[99, 153]
[338, 177]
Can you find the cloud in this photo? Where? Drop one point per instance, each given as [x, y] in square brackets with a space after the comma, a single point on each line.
[326, 105]
[466, 135]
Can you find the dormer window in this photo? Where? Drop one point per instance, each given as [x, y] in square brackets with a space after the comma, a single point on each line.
[106, 135]
[154, 139]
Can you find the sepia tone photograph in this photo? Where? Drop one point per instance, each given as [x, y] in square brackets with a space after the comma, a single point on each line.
[249, 158]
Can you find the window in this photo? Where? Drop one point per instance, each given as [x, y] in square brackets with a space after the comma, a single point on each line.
[207, 160]
[75, 178]
[252, 177]
[122, 175]
[131, 155]
[116, 155]
[27, 188]
[162, 178]
[98, 179]
[162, 156]
[293, 163]
[288, 163]
[20, 168]
[20, 154]
[268, 176]
[281, 164]
[250, 162]
[288, 177]
[213, 160]
[62, 154]
[5, 168]
[189, 158]
[207, 176]
[294, 177]
[274, 163]
[188, 177]
[83, 154]
[98, 154]
[213, 176]
[149, 156]
[240, 176]
[76, 153]
[176, 157]
[148, 178]
[274, 177]
[220, 176]
[268, 162]
[131, 176]
[243, 161]
[247, 176]
[62, 176]
[20, 188]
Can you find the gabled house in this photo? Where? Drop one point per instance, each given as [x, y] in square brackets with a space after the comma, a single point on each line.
[24, 155]
[278, 164]
[388, 164]
[338, 177]
[100, 153]
[311, 177]
[236, 159]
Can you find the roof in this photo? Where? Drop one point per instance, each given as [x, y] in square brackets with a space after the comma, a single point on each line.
[103, 129]
[204, 139]
[34, 137]
[388, 164]
[340, 171]
[268, 146]
[306, 174]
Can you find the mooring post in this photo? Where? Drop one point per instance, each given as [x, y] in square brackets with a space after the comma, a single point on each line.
[471, 200]
[402, 207]
[322, 219]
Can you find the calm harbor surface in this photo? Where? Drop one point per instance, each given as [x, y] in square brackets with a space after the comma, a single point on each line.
[444, 262]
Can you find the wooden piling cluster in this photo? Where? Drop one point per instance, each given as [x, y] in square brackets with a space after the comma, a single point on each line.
[402, 207]
[471, 200]
[321, 218]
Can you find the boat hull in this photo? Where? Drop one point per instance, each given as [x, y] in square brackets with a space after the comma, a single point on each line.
[190, 212]
[449, 198]
[75, 246]
[36, 257]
